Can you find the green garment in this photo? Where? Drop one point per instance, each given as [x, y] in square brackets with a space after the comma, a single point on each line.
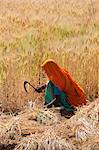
[50, 91]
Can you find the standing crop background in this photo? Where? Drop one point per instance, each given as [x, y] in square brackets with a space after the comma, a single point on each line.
[32, 31]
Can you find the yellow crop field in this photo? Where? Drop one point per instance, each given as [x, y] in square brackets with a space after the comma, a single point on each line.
[32, 31]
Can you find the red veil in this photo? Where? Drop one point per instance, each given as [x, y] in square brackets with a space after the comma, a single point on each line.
[62, 79]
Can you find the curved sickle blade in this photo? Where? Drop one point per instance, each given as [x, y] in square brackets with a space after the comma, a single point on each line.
[25, 82]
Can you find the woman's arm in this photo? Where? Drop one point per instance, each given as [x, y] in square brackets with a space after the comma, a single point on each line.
[41, 88]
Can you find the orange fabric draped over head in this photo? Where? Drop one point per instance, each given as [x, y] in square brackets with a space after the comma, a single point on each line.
[62, 79]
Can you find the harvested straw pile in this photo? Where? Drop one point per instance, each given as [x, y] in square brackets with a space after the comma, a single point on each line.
[45, 130]
[48, 141]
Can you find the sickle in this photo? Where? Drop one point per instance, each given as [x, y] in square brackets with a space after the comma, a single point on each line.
[25, 82]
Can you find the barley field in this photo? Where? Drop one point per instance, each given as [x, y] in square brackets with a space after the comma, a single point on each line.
[32, 31]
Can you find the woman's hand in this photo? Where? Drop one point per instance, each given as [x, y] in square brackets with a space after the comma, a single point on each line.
[39, 89]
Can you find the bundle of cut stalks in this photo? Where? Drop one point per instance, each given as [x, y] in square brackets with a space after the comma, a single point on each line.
[51, 141]
[28, 143]
[10, 130]
[86, 122]
[91, 144]
[47, 130]
[48, 141]
[27, 122]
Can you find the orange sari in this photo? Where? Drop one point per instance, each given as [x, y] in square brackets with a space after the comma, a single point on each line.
[62, 79]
